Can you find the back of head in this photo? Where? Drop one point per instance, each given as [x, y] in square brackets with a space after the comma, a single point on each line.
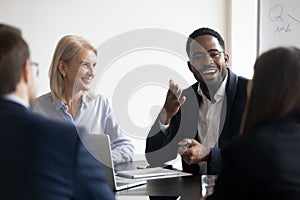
[204, 31]
[10, 28]
[275, 87]
[67, 49]
[13, 54]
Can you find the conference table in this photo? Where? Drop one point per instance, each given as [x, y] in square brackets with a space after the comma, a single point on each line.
[189, 187]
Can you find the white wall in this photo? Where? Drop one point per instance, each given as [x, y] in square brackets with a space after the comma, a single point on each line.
[243, 36]
[107, 24]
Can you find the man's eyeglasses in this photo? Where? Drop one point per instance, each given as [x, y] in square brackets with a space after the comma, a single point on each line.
[35, 68]
[202, 57]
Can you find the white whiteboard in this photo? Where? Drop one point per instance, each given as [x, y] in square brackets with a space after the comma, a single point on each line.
[279, 24]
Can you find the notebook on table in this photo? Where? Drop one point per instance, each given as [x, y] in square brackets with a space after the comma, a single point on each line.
[151, 173]
[146, 197]
[100, 148]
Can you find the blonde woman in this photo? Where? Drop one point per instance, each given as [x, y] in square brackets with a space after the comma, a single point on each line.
[71, 73]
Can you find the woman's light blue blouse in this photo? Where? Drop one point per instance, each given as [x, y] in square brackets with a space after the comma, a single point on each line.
[96, 116]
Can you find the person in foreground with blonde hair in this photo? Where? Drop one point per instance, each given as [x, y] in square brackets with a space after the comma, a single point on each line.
[71, 73]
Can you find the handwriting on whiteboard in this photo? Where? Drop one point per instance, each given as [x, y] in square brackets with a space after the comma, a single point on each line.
[283, 20]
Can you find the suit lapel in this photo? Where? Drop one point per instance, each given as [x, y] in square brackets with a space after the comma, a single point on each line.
[231, 88]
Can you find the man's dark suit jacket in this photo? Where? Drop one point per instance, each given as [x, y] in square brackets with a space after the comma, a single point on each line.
[43, 159]
[263, 163]
[161, 148]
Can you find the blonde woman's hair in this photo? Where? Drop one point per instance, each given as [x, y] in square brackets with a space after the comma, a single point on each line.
[67, 49]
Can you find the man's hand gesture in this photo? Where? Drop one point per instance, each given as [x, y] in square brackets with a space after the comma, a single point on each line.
[173, 102]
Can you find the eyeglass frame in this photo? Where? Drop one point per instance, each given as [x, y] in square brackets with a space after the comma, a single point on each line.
[209, 53]
[36, 66]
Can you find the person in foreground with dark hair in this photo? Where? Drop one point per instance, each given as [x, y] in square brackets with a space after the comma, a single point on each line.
[264, 162]
[40, 159]
[198, 121]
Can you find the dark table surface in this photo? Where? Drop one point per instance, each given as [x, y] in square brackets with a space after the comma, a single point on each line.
[189, 188]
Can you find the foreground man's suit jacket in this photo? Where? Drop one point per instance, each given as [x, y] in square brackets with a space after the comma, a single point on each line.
[42, 159]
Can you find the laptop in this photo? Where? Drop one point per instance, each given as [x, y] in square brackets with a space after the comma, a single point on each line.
[101, 149]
